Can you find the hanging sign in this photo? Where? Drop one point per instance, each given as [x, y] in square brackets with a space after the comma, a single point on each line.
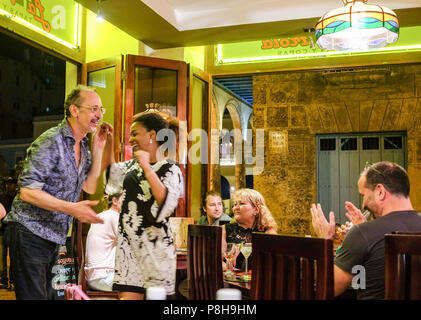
[57, 19]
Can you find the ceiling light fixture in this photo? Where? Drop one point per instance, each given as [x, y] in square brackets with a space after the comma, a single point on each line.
[357, 26]
[99, 15]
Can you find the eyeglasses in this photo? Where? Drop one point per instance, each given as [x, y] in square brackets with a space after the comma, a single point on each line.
[369, 166]
[94, 109]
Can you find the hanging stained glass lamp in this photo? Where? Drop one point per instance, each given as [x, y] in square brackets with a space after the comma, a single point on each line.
[357, 26]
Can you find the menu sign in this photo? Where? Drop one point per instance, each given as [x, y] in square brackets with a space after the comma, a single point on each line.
[63, 272]
[179, 229]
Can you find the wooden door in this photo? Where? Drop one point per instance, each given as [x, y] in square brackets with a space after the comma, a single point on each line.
[162, 82]
[106, 76]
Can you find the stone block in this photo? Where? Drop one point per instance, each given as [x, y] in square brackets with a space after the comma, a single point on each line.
[343, 120]
[298, 116]
[407, 116]
[259, 94]
[392, 115]
[296, 154]
[377, 115]
[314, 119]
[282, 92]
[259, 117]
[328, 118]
[366, 107]
[277, 117]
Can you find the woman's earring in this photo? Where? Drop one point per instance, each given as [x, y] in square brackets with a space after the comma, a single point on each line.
[150, 140]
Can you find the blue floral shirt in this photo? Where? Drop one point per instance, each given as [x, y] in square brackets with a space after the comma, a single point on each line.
[50, 166]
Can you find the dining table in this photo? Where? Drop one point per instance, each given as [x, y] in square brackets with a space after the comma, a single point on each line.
[237, 282]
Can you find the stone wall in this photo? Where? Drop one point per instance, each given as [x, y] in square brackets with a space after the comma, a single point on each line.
[293, 107]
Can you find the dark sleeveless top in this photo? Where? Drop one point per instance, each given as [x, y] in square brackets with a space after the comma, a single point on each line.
[237, 234]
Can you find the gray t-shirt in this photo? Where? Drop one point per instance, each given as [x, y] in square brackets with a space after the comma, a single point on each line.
[364, 246]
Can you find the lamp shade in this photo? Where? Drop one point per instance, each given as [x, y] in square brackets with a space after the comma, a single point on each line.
[357, 26]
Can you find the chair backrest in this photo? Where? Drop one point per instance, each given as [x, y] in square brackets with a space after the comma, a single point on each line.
[78, 251]
[204, 261]
[79, 256]
[288, 267]
[403, 266]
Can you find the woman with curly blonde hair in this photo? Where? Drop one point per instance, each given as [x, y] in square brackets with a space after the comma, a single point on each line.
[250, 215]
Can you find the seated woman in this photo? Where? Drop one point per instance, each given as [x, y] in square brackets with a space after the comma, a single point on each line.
[213, 210]
[250, 215]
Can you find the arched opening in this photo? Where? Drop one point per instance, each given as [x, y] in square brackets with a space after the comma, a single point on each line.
[248, 153]
[231, 146]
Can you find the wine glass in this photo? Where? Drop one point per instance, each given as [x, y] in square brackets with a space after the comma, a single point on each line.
[229, 255]
[246, 249]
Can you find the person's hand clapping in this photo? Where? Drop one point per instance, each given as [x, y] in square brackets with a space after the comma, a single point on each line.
[322, 227]
[354, 214]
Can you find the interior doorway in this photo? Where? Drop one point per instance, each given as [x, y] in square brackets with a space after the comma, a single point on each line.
[234, 96]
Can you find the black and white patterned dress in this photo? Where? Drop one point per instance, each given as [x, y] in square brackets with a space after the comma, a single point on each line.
[145, 254]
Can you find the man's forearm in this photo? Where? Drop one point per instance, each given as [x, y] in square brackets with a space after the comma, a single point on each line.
[341, 279]
[45, 201]
[80, 210]
[91, 182]
[108, 154]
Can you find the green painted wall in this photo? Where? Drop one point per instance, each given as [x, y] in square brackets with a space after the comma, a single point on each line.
[105, 40]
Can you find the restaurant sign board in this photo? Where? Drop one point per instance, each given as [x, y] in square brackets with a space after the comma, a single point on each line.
[303, 46]
[60, 20]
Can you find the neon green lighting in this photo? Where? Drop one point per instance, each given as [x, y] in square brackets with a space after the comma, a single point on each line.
[220, 60]
[296, 47]
[77, 29]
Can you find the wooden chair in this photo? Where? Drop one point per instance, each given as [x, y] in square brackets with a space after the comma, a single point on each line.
[204, 261]
[79, 257]
[291, 268]
[403, 266]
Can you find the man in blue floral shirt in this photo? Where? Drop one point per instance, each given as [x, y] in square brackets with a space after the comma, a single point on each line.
[58, 166]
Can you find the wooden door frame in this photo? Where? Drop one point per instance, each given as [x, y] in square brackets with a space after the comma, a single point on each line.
[131, 62]
[116, 62]
[195, 72]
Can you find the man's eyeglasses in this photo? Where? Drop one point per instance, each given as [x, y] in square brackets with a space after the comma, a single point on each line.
[369, 166]
[94, 109]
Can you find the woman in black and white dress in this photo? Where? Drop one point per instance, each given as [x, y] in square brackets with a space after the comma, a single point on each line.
[152, 184]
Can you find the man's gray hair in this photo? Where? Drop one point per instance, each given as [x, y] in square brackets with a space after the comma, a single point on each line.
[74, 98]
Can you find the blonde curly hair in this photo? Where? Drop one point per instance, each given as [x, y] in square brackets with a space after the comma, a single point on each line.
[264, 219]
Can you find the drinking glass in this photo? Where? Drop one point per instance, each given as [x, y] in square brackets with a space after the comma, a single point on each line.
[229, 255]
[246, 251]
